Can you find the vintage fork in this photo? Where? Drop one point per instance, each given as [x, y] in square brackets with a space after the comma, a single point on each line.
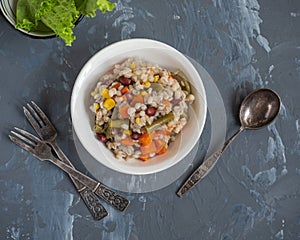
[48, 134]
[42, 151]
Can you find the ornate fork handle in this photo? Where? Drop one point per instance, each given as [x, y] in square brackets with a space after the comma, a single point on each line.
[42, 151]
[92, 202]
[105, 193]
[112, 198]
[48, 133]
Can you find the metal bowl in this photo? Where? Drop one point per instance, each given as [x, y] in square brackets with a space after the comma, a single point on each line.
[8, 8]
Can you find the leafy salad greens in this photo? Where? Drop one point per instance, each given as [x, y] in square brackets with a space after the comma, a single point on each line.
[58, 16]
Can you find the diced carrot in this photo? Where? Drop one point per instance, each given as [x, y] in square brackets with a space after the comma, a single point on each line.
[163, 132]
[171, 128]
[137, 99]
[144, 157]
[170, 77]
[168, 132]
[150, 148]
[127, 141]
[145, 139]
[124, 111]
[153, 135]
[159, 144]
[162, 151]
[117, 85]
[125, 90]
[158, 133]
[167, 103]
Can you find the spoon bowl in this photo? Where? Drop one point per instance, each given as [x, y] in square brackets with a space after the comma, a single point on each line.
[259, 108]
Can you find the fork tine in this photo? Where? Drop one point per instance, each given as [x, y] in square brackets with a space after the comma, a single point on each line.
[32, 120]
[36, 116]
[41, 113]
[24, 139]
[21, 144]
[28, 135]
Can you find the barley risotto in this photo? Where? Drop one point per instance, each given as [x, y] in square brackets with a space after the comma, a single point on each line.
[140, 108]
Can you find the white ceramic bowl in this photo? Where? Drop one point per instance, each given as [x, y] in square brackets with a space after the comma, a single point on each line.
[151, 51]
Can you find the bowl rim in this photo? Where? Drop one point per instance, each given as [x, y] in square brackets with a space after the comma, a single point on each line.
[139, 42]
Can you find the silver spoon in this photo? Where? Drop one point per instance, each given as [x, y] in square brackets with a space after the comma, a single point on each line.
[257, 110]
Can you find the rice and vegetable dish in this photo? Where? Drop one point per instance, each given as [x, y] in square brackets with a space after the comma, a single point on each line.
[140, 108]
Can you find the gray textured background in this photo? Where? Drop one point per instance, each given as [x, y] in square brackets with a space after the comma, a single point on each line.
[253, 193]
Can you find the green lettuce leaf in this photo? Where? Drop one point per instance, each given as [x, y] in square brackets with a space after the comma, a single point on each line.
[27, 15]
[88, 8]
[57, 15]
[61, 19]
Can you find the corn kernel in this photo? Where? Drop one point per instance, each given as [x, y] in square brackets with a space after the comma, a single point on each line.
[138, 120]
[155, 78]
[109, 104]
[93, 93]
[147, 84]
[96, 106]
[127, 132]
[132, 66]
[105, 93]
[144, 93]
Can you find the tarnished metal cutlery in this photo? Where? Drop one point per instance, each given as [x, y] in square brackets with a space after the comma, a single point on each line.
[87, 187]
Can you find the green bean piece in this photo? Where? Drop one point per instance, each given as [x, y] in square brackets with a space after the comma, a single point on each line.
[108, 130]
[115, 113]
[117, 123]
[98, 129]
[159, 122]
[185, 115]
[184, 83]
[157, 87]
[108, 133]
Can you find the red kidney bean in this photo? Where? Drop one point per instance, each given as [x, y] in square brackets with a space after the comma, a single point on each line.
[101, 137]
[125, 81]
[135, 136]
[150, 111]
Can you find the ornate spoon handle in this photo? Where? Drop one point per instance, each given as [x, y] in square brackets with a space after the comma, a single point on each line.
[205, 167]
